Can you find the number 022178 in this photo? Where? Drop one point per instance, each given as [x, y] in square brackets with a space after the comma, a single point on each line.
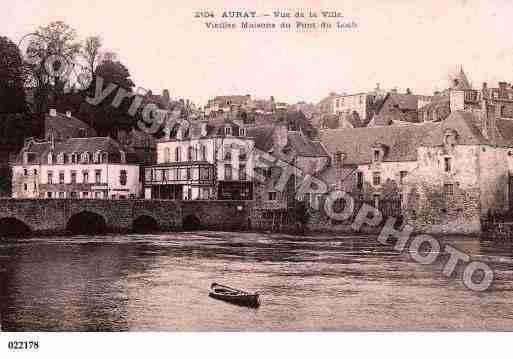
[23, 345]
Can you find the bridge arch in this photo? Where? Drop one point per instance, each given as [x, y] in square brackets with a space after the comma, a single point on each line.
[191, 223]
[14, 227]
[86, 222]
[145, 224]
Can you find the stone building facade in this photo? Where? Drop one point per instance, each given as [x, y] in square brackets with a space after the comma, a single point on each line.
[96, 167]
[206, 160]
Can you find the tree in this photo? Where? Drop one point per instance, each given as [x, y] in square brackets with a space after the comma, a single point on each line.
[12, 78]
[91, 53]
[106, 118]
[52, 49]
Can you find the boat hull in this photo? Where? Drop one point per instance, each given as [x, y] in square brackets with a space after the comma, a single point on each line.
[247, 300]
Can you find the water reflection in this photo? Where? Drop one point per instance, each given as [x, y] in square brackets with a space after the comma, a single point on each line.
[160, 282]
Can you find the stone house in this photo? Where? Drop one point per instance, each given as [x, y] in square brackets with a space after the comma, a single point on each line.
[301, 155]
[62, 127]
[85, 168]
[207, 160]
[372, 163]
[447, 175]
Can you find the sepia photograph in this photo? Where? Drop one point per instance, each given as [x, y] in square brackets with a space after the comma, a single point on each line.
[226, 167]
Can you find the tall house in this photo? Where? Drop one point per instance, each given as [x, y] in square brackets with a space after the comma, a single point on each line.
[202, 160]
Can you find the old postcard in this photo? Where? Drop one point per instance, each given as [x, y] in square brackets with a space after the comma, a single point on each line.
[247, 166]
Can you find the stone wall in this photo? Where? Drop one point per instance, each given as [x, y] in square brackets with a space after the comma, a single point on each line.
[53, 215]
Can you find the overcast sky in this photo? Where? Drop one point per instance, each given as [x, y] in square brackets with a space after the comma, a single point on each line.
[403, 43]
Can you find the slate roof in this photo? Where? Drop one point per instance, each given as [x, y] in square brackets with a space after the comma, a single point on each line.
[74, 145]
[299, 143]
[461, 81]
[215, 127]
[66, 126]
[401, 142]
[304, 146]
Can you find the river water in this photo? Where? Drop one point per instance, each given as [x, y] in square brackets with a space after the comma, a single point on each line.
[160, 282]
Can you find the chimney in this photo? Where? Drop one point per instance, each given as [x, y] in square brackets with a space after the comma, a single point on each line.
[53, 112]
[68, 113]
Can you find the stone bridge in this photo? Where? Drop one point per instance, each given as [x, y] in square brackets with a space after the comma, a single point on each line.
[59, 216]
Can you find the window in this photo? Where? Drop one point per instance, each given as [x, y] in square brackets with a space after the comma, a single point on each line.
[98, 176]
[337, 102]
[61, 195]
[73, 177]
[376, 155]
[272, 196]
[122, 177]
[48, 194]
[166, 155]
[97, 195]
[402, 175]
[190, 154]
[85, 194]
[447, 164]
[188, 173]
[35, 172]
[189, 193]
[242, 172]
[376, 198]
[25, 187]
[74, 158]
[203, 153]
[60, 158]
[359, 180]
[178, 154]
[104, 158]
[85, 177]
[448, 189]
[49, 176]
[73, 195]
[25, 172]
[204, 173]
[85, 157]
[61, 177]
[228, 131]
[227, 172]
[204, 193]
[50, 158]
[376, 178]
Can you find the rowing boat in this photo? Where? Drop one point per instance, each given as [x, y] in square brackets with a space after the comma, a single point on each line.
[234, 295]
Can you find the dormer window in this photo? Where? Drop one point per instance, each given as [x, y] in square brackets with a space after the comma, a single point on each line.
[85, 157]
[450, 139]
[60, 158]
[50, 158]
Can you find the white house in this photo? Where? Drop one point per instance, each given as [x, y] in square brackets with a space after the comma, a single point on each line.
[206, 160]
[95, 167]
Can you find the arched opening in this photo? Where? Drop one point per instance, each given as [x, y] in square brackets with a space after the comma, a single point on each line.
[191, 223]
[86, 223]
[12, 227]
[145, 224]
